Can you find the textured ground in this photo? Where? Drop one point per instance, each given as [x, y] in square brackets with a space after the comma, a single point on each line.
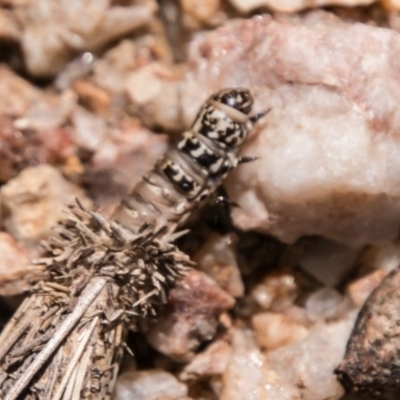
[92, 94]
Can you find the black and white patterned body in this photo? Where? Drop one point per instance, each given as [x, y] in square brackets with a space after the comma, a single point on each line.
[186, 175]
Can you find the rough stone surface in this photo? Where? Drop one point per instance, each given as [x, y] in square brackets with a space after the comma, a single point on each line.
[359, 290]
[155, 92]
[174, 398]
[274, 330]
[393, 5]
[30, 107]
[54, 32]
[327, 152]
[33, 201]
[195, 305]
[213, 361]
[15, 267]
[26, 147]
[384, 257]
[325, 304]
[149, 385]
[294, 5]
[371, 361]
[17, 93]
[327, 261]
[276, 291]
[311, 362]
[9, 29]
[217, 258]
[248, 376]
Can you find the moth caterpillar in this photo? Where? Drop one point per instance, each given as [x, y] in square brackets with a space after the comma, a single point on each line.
[106, 276]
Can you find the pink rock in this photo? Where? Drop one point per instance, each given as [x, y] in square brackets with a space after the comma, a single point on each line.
[53, 32]
[33, 201]
[15, 267]
[328, 149]
[310, 362]
[193, 318]
[212, 361]
[276, 291]
[249, 377]
[149, 385]
[22, 148]
[217, 259]
[294, 5]
[274, 330]
[360, 289]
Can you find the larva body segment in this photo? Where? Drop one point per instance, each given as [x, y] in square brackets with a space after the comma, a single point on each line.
[186, 175]
[105, 276]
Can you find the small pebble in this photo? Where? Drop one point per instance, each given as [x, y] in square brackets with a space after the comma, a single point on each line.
[360, 289]
[148, 385]
[275, 330]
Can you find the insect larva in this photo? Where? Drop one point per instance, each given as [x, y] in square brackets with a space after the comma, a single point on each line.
[104, 277]
[189, 173]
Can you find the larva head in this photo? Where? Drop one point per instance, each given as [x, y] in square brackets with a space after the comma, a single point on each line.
[224, 117]
[238, 98]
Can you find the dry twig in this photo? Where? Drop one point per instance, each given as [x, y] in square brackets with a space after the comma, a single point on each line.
[66, 340]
